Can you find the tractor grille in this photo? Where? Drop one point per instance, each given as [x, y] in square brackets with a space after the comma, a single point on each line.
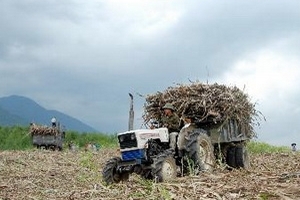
[133, 155]
[127, 141]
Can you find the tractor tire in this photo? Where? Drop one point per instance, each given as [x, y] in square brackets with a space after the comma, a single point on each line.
[242, 157]
[147, 174]
[231, 156]
[201, 151]
[110, 174]
[164, 167]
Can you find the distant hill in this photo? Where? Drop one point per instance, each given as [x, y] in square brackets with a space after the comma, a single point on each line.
[19, 110]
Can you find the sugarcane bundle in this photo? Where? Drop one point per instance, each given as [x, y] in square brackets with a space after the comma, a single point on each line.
[42, 130]
[203, 103]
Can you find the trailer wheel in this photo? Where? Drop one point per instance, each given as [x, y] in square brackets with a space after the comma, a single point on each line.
[110, 174]
[164, 167]
[231, 156]
[242, 157]
[201, 151]
[58, 148]
[52, 147]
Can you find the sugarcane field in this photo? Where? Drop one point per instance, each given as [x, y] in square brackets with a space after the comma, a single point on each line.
[43, 174]
[214, 159]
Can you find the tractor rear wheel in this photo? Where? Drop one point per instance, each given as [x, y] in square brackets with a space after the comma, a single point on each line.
[201, 151]
[164, 167]
[110, 174]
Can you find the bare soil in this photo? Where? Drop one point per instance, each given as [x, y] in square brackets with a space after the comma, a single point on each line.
[41, 174]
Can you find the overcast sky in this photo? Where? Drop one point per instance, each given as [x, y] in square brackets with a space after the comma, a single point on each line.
[83, 57]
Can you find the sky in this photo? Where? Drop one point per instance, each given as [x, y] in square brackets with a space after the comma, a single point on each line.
[83, 57]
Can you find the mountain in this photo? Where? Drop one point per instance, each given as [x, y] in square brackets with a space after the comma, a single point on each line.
[19, 110]
[9, 119]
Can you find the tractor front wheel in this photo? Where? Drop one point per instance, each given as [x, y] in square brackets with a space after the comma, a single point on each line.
[110, 174]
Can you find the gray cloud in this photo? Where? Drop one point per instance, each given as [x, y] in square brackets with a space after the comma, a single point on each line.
[83, 58]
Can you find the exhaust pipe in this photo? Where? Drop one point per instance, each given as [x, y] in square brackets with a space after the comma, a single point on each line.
[131, 113]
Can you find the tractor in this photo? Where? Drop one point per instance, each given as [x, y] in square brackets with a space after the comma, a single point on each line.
[147, 153]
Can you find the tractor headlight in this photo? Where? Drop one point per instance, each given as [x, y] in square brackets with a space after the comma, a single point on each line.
[132, 136]
[122, 138]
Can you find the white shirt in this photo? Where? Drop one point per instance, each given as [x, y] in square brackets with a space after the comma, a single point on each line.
[53, 120]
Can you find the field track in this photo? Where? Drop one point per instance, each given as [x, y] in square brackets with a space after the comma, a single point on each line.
[41, 174]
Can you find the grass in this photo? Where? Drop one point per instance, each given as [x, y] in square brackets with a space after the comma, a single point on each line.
[262, 147]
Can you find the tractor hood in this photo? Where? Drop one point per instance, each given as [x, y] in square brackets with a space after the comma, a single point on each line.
[143, 135]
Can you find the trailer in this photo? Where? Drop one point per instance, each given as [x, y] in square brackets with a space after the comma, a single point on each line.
[47, 137]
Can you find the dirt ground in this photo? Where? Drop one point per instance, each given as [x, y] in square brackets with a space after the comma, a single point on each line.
[41, 174]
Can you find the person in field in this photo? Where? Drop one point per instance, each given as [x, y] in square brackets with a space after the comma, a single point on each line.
[171, 121]
[53, 122]
[293, 147]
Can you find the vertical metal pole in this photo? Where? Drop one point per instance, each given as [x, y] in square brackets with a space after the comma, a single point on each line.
[131, 113]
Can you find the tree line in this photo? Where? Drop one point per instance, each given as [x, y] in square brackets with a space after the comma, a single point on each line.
[19, 138]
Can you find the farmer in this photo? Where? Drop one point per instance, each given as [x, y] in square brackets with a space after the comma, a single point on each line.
[184, 132]
[171, 121]
[53, 122]
[293, 146]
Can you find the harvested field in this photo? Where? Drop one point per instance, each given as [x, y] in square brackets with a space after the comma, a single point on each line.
[41, 174]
